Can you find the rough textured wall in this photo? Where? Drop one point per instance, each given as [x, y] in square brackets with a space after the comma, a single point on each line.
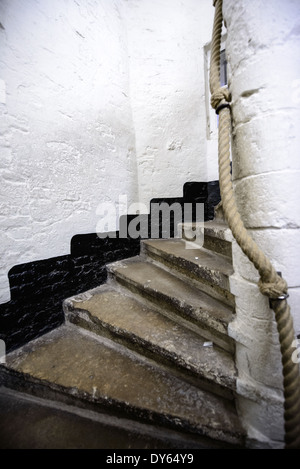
[166, 40]
[85, 87]
[66, 137]
[263, 50]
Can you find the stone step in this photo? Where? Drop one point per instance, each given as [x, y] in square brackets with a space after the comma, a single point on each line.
[209, 271]
[212, 235]
[120, 317]
[176, 298]
[55, 425]
[74, 366]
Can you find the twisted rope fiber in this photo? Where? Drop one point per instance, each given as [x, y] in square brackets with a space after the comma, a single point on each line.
[270, 283]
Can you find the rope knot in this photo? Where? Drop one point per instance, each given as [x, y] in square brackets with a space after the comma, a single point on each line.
[273, 289]
[220, 97]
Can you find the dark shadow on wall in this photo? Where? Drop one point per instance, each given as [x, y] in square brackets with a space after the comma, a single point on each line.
[38, 288]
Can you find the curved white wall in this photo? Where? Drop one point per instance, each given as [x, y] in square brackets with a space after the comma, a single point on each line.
[167, 84]
[98, 98]
[67, 140]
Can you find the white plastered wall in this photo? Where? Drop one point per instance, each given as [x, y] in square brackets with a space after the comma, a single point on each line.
[98, 99]
[263, 50]
[66, 139]
[167, 87]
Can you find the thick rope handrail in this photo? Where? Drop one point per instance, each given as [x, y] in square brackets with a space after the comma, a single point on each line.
[270, 284]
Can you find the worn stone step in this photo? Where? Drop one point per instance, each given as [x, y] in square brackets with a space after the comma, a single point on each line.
[55, 425]
[74, 366]
[209, 271]
[174, 296]
[212, 235]
[122, 318]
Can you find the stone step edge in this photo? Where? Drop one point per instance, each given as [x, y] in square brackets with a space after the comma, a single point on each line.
[221, 339]
[213, 236]
[24, 382]
[113, 283]
[190, 267]
[36, 387]
[214, 331]
[213, 290]
[144, 430]
[223, 386]
[213, 228]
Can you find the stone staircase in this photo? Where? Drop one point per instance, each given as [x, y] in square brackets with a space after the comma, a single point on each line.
[150, 345]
